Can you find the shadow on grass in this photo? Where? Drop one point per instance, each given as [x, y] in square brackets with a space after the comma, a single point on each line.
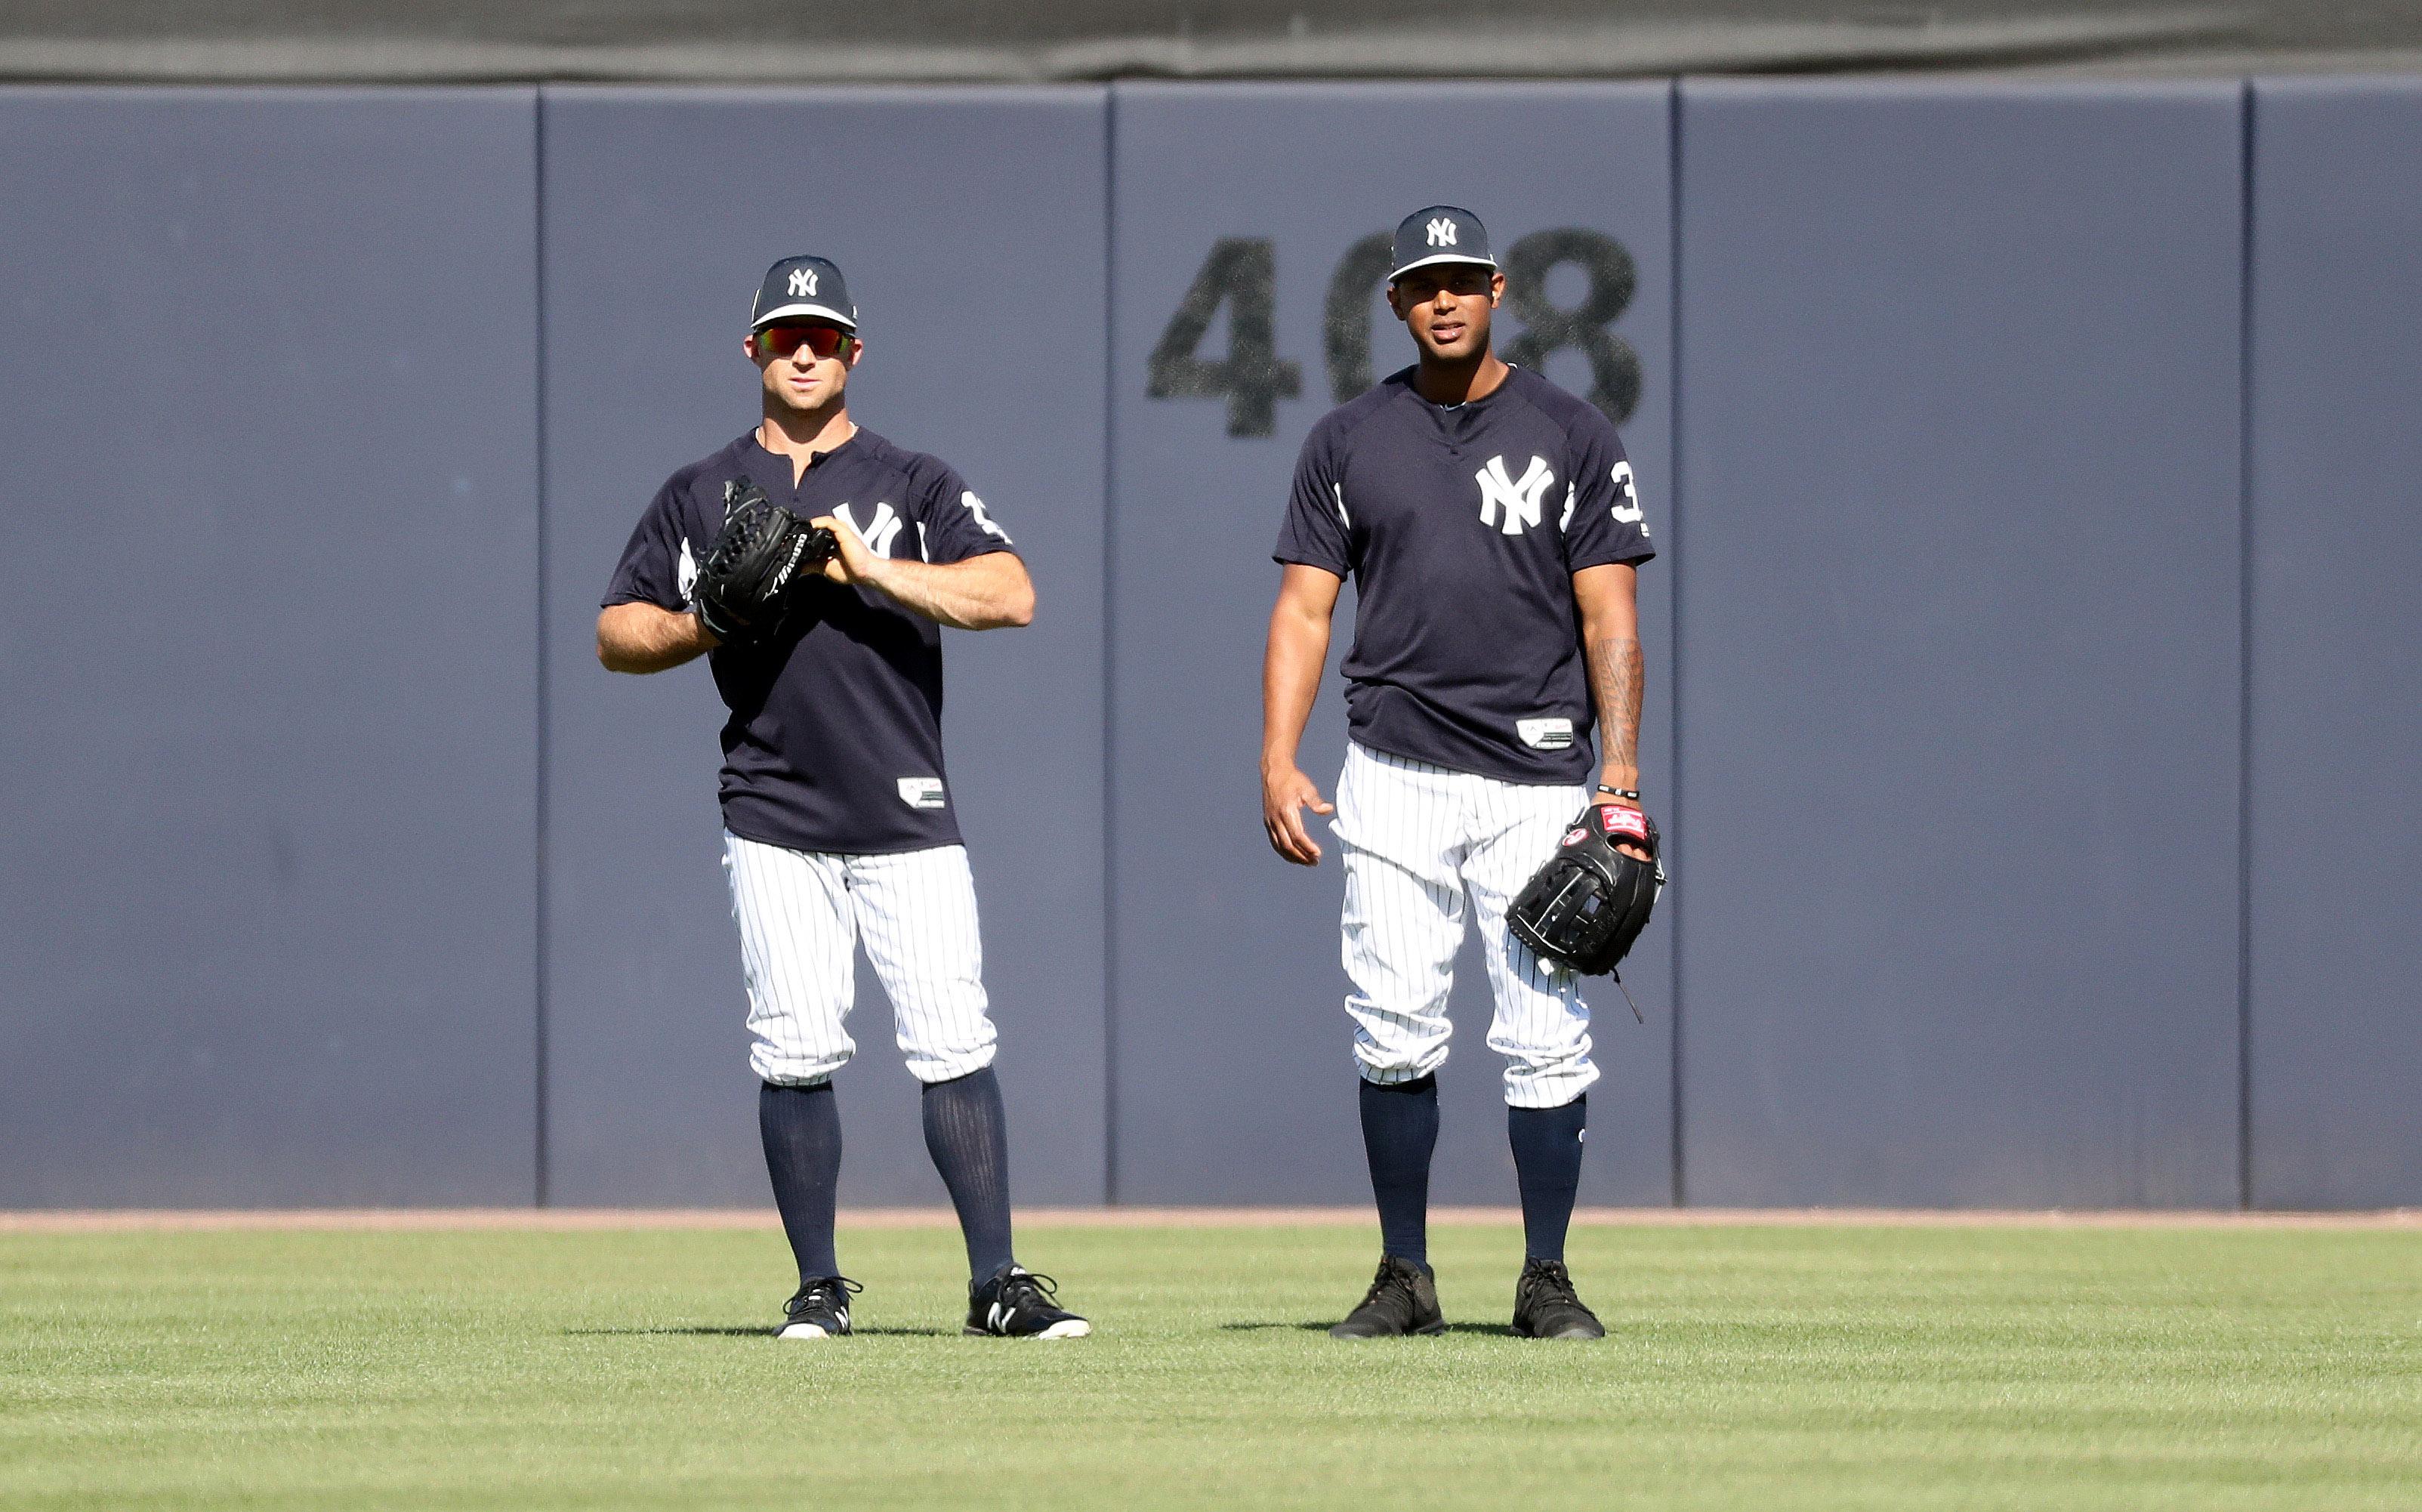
[760, 1331]
[1493, 1329]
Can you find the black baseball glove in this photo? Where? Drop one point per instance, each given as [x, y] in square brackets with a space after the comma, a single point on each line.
[1590, 902]
[744, 586]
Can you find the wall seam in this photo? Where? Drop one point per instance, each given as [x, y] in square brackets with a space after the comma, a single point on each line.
[541, 902]
[1109, 680]
[2246, 650]
[1674, 576]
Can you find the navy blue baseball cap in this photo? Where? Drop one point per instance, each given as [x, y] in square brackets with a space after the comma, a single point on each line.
[1443, 233]
[803, 289]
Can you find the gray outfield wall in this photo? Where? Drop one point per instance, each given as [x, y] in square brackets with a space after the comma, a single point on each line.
[2034, 465]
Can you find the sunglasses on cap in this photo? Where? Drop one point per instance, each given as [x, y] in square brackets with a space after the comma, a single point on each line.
[822, 341]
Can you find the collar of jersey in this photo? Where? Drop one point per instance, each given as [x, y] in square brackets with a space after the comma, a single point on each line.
[820, 458]
[1466, 406]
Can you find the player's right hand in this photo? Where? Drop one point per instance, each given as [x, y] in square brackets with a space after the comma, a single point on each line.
[1285, 794]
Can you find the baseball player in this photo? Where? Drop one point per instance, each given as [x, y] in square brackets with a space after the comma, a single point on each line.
[1489, 522]
[838, 828]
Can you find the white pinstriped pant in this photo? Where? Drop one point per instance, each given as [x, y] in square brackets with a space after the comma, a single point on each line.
[801, 914]
[1417, 838]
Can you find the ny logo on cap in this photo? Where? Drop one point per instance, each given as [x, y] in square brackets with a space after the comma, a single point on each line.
[803, 281]
[1441, 232]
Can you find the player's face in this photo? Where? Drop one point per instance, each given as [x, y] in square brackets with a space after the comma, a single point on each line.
[1446, 306]
[796, 375]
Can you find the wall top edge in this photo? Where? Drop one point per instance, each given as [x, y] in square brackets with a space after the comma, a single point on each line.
[1917, 88]
[517, 92]
[2339, 86]
[2370, 77]
[909, 93]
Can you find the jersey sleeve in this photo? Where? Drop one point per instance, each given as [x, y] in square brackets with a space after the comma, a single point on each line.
[1603, 520]
[952, 524]
[658, 562]
[1314, 532]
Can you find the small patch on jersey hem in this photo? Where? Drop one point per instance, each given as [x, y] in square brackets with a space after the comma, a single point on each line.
[923, 793]
[1545, 734]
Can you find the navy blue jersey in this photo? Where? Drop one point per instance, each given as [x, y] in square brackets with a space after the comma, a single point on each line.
[835, 739]
[1462, 526]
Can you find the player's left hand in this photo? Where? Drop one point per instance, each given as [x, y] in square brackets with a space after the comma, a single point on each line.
[850, 563]
[1632, 851]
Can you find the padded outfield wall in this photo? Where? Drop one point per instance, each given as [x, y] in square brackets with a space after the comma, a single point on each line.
[2033, 464]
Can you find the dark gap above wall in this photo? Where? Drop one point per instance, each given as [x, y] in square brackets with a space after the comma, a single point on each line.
[987, 41]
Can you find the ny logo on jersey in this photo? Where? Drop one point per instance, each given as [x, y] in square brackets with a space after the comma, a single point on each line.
[803, 281]
[1441, 232]
[686, 572]
[1522, 501]
[878, 532]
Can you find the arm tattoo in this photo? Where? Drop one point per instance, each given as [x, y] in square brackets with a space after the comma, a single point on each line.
[1617, 673]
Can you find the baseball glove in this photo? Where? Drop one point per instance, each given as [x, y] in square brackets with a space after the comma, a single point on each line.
[1590, 902]
[743, 589]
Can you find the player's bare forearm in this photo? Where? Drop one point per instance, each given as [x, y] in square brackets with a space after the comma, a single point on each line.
[1617, 672]
[1299, 646]
[1607, 598]
[643, 638]
[988, 593]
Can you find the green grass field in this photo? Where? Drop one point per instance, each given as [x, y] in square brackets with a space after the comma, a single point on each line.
[1764, 1368]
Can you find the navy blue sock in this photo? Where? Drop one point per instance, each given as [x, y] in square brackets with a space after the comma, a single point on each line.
[801, 1127]
[1548, 1164]
[1400, 1124]
[966, 1132]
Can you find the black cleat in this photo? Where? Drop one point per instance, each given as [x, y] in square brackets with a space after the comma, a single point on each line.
[1018, 1304]
[820, 1310]
[1402, 1299]
[1546, 1307]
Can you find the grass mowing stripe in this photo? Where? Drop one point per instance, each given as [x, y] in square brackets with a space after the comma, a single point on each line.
[1766, 1368]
